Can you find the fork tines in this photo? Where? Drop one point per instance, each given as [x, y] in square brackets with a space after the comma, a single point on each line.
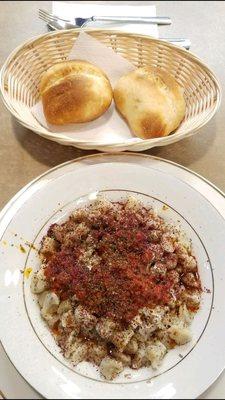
[48, 17]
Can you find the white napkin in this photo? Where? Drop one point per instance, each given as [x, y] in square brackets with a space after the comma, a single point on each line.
[110, 127]
[76, 9]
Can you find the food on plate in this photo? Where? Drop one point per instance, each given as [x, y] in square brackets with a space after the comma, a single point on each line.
[151, 101]
[117, 286]
[74, 91]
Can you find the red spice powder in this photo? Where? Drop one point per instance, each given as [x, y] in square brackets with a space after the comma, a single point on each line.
[123, 281]
[117, 291]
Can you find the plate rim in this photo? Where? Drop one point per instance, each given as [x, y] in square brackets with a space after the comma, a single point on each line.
[123, 153]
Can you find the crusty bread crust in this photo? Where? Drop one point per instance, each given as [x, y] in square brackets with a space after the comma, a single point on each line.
[74, 92]
[151, 101]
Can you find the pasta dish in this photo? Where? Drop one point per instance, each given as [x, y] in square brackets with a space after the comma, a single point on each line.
[116, 286]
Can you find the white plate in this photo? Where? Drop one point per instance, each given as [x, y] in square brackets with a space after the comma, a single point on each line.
[198, 208]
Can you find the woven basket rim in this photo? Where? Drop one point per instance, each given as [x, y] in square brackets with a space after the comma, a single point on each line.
[110, 31]
[128, 142]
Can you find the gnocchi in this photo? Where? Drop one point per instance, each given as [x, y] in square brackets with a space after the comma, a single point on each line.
[110, 368]
[155, 353]
[117, 286]
[39, 283]
[180, 335]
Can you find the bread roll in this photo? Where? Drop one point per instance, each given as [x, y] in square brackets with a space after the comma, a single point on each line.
[74, 91]
[151, 101]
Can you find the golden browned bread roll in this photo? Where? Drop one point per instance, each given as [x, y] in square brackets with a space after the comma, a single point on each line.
[74, 91]
[151, 101]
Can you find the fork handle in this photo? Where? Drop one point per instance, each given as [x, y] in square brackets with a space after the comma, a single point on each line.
[145, 20]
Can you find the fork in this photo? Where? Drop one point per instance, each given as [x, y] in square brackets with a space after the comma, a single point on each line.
[80, 22]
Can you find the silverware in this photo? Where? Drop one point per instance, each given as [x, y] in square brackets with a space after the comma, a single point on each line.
[79, 22]
[56, 25]
[185, 43]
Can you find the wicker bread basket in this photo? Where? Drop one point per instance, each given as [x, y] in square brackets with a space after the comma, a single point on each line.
[21, 73]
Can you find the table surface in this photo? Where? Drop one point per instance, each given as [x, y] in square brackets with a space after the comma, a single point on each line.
[24, 155]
